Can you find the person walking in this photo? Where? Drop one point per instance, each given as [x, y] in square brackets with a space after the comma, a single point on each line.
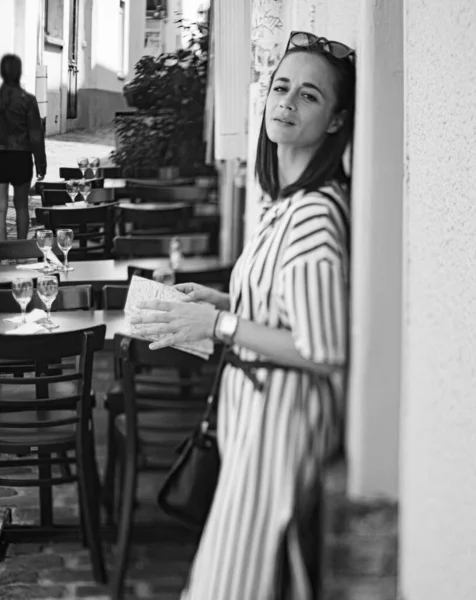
[21, 136]
[288, 304]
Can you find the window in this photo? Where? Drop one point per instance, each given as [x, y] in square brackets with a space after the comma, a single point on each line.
[156, 9]
[54, 18]
[122, 38]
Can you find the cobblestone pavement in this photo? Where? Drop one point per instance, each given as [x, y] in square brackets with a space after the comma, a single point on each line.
[63, 151]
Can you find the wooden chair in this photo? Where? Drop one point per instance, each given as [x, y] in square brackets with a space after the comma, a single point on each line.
[114, 296]
[103, 173]
[144, 433]
[218, 278]
[23, 249]
[93, 228]
[141, 219]
[197, 244]
[180, 193]
[37, 423]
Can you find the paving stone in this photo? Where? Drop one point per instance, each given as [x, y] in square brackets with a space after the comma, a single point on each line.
[91, 591]
[24, 548]
[66, 576]
[357, 518]
[25, 568]
[33, 592]
[366, 589]
[363, 556]
[7, 492]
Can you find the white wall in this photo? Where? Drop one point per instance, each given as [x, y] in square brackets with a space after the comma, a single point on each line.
[7, 26]
[438, 498]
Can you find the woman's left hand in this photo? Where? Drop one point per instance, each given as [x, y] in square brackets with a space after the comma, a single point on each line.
[182, 321]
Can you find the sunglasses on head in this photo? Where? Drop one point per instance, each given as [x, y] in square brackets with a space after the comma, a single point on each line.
[303, 39]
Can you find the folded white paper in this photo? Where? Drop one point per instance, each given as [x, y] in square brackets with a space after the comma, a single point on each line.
[32, 317]
[146, 289]
[27, 329]
[51, 256]
[34, 266]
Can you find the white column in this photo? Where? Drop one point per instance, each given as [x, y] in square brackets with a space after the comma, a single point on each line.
[438, 498]
[374, 390]
[7, 27]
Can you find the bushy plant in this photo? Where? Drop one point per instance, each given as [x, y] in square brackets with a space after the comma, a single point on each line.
[168, 92]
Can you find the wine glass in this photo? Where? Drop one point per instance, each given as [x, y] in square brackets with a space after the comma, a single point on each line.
[22, 290]
[85, 188]
[44, 241]
[94, 165]
[47, 288]
[65, 238]
[72, 189]
[83, 164]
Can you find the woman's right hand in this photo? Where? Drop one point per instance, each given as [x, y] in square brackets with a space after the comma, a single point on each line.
[200, 293]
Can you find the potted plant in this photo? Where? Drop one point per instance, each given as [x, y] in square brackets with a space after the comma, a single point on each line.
[165, 133]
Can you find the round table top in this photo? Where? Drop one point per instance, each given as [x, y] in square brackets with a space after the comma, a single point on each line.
[103, 272]
[72, 320]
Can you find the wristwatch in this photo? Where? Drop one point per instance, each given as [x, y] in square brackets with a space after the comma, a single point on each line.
[226, 326]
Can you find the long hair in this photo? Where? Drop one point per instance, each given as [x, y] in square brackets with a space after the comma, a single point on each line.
[326, 163]
[10, 70]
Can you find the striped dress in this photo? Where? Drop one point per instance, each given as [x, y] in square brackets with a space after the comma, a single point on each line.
[292, 274]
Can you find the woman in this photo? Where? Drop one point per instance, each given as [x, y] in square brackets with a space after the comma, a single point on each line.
[288, 304]
[21, 134]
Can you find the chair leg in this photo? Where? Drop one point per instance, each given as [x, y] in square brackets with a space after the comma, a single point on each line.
[124, 526]
[92, 522]
[82, 523]
[65, 468]
[108, 487]
[46, 492]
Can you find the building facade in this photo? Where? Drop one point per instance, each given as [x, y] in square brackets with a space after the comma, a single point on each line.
[83, 50]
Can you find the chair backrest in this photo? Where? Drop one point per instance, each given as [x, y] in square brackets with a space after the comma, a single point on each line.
[74, 173]
[137, 352]
[171, 217]
[22, 249]
[74, 297]
[56, 197]
[218, 278]
[114, 296]
[42, 350]
[194, 244]
[93, 228]
[180, 193]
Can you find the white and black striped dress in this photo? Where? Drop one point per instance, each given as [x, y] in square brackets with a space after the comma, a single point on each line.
[292, 275]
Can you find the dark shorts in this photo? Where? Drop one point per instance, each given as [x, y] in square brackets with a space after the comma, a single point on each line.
[16, 167]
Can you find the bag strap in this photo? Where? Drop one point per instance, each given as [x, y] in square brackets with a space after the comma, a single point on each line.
[213, 395]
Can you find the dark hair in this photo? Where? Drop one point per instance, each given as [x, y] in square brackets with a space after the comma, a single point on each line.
[10, 69]
[326, 163]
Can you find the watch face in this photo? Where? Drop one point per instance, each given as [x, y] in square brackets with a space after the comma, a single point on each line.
[228, 325]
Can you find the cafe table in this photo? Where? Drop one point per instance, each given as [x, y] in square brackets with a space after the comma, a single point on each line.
[99, 273]
[72, 320]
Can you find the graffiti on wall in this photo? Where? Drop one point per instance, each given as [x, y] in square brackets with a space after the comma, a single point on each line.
[266, 40]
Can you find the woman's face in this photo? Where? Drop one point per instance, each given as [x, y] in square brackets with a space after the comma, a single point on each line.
[300, 104]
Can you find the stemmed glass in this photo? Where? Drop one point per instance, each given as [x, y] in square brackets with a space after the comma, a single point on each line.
[72, 189]
[22, 290]
[65, 238]
[85, 188]
[47, 288]
[94, 163]
[44, 241]
[83, 164]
